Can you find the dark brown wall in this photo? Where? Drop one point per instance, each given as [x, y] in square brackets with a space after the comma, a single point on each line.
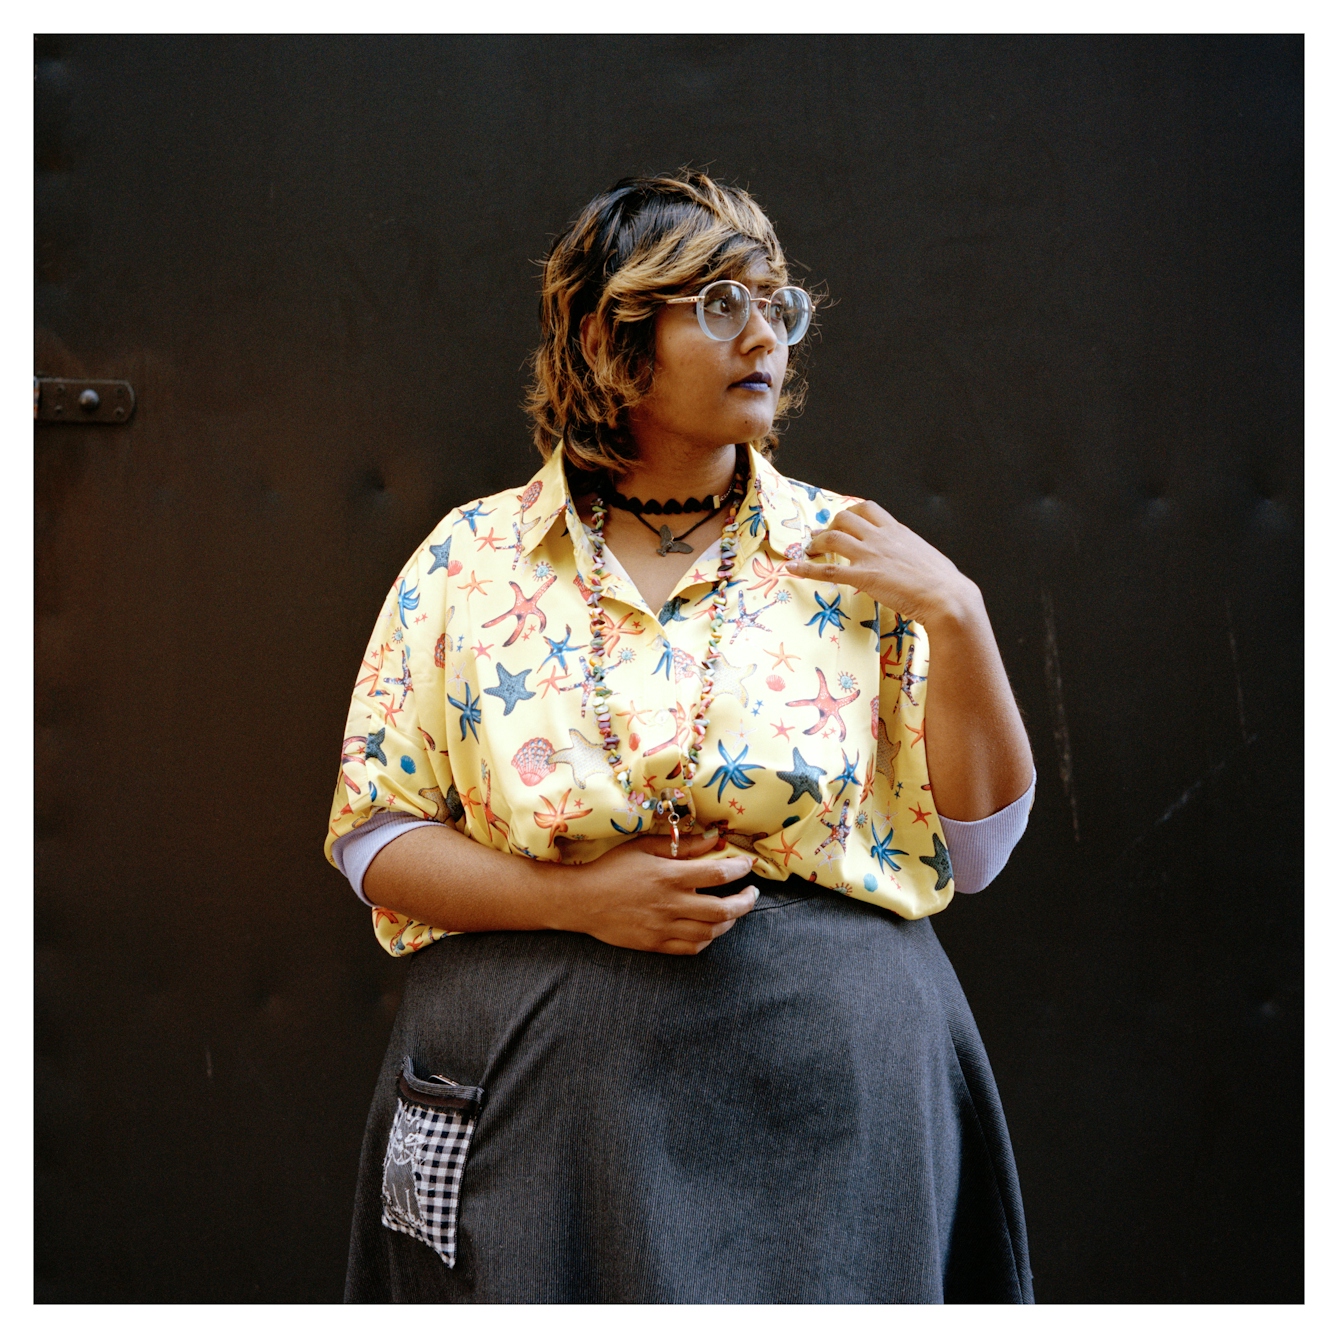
[1066, 347]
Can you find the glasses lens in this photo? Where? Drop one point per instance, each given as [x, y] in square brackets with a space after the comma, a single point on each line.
[790, 310]
[723, 309]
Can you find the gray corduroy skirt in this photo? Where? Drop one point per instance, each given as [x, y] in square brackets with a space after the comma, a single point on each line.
[802, 1113]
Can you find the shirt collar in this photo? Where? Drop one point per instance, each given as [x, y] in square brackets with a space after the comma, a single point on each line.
[771, 508]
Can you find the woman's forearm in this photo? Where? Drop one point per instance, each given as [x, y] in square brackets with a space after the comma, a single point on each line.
[977, 750]
[436, 875]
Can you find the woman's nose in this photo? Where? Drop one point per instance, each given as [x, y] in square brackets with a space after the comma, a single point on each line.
[759, 331]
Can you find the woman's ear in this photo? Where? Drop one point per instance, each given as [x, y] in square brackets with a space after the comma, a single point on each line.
[588, 341]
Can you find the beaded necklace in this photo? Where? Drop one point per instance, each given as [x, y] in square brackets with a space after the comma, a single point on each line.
[671, 800]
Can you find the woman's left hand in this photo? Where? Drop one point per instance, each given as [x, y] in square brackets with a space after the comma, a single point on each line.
[890, 563]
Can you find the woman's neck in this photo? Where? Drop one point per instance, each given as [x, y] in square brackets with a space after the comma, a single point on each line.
[662, 474]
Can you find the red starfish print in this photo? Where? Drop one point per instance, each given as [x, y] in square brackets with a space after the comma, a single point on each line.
[557, 817]
[783, 731]
[422, 618]
[680, 729]
[523, 608]
[697, 575]
[552, 681]
[736, 806]
[919, 733]
[769, 574]
[480, 650]
[488, 540]
[782, 657]
[470, 800]
[613, 632]
[492, 819]
[827, 706]
[787, 851]
[391, 711]
[920, 815]
[474, 584]
[374, 664]
[834, 639]
[889, 660]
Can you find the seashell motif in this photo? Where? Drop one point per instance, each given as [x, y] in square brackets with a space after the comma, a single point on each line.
[873, 711]
[534, 760]
[531, 495]
[684, 666]
[439, 654]
[776, 683]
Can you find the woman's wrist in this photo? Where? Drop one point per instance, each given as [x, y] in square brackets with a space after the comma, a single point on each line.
[958, 610]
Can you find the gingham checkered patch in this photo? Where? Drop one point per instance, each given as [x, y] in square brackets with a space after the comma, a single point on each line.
[420, 1181]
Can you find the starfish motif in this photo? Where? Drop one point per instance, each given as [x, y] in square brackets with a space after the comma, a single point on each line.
[524, 607]
[746, 621]
[920, 815]
[827, 706]
[782, 732]
[481, 651]
[840, 830]
[585, 759]
[406, 599]
[901, 631]
[881, 849]
[474, 585]
[939, 861]
[557, 817]
[847, 776]
[887, 753]
[494, 822]
[828, 614]
[374, 749]
[472, 515]
[729, 680]
[552, 682]
[671, 611]
[782, 657]
[805, 487]
[441, 555]
[471, 712]
[614, 632]
[909, 680]
[787, 851]
[470, 800]
[733, 772]
[919, 734]
[510, 688]
[559, 650]
[803, 779]
[769, 575]
[488, 541]
[680, 717]
[666, 660]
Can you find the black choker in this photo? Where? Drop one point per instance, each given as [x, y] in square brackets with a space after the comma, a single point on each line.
[669, 541]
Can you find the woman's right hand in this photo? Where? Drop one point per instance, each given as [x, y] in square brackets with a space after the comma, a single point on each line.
[636, 896]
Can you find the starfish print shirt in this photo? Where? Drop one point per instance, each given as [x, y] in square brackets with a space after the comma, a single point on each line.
[474, 703]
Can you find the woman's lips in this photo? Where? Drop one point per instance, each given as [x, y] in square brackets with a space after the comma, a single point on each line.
[753, 381]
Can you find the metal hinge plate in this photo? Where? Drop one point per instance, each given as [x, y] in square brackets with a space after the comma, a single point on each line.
[61, 400]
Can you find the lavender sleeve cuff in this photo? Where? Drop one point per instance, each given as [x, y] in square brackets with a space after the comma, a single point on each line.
[354, 852]
[979, 850]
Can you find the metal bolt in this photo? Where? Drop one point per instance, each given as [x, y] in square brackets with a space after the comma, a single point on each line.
[89, 400]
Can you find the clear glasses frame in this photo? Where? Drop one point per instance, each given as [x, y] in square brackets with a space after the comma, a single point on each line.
[730, 322]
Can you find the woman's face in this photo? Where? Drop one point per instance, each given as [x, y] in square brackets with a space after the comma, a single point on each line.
[710, 393]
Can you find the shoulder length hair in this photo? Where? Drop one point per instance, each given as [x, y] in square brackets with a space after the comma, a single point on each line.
[647, 239]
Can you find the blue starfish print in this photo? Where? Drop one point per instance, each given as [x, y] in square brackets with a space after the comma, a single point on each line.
[872, 623]
[734, 772]
[441, 555]
[828, 614]
[847, 776]
[901, 631]
[559, 650]
[510, 688]
[471, 712]
[671, 611]
[803, 779]
[807, 487]
[754, 520]
[666, 659]
[374, 749]
[939, 861]
[473, 515]
[406, 599]
[882, 850]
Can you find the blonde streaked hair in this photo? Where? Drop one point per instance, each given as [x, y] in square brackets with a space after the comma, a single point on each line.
[647, 239]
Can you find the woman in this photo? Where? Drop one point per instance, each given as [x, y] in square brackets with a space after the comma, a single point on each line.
[660, 769]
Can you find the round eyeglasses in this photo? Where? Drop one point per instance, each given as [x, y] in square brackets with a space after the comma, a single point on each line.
[724, 308]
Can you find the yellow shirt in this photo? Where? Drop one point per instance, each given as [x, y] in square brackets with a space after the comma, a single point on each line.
[474, 703]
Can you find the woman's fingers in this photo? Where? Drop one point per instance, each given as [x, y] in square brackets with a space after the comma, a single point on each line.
[694, 873]
[837, 541]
